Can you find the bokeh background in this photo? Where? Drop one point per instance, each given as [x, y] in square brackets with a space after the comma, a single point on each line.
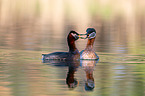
[29, 28]
[26, 21]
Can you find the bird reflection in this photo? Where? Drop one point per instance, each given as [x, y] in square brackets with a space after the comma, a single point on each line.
[88, 66]
[71, 81]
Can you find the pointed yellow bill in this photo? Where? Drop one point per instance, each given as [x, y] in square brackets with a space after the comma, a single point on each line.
[82, 36]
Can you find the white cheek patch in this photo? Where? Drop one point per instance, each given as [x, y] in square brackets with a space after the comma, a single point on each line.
[92, 35]
[75, 36]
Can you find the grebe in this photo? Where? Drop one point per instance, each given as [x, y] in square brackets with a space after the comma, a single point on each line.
[73, 53]
[89, 52]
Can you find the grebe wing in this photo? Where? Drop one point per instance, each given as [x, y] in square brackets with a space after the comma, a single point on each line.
[56, 55]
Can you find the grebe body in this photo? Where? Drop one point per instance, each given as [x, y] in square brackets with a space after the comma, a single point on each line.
[73, 53]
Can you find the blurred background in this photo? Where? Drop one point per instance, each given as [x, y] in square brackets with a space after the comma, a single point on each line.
[24, 23]
[29, 28]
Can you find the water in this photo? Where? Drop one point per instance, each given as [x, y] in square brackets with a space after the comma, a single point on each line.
[118, 72]
[26, 34]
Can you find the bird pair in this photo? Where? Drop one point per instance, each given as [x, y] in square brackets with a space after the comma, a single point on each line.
[87, 54]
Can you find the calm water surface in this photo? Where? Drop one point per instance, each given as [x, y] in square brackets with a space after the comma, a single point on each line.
[119, 72]
[29, 28]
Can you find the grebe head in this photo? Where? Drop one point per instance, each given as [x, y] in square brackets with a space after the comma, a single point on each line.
[74, 35]
[91, 33]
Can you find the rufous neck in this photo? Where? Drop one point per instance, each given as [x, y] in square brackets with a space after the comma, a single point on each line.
[90, 43]
[71, 44]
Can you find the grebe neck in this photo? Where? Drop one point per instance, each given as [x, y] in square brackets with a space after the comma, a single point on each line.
[71, 44]
[90, 43]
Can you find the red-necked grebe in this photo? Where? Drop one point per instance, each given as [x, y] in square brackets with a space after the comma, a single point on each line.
[89, 53]
[73, 53]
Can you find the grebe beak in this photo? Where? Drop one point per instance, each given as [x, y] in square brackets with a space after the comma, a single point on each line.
[82, 36]
[88, 35]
